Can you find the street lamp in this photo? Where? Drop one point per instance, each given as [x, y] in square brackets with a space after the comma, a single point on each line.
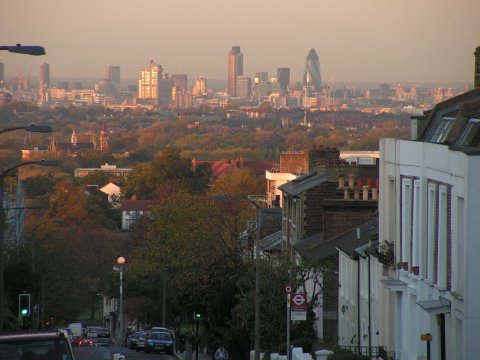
[254, 200]
[25, 49]
[2, 225]
[121, 262]
[37, 319]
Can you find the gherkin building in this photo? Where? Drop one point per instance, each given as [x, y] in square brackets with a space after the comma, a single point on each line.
[311, 76]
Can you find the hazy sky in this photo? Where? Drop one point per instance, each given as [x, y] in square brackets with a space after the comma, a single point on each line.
[357, 40]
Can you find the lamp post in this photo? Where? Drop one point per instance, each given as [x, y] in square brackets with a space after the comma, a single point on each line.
[258, 213]
[37, 320]
[25, 49]
[120, 262]
[2, 226]
[254, 200]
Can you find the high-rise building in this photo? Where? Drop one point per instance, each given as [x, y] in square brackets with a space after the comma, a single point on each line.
[200, 87]
[283, 76]
[2, 72]
[261, 76]
[244, 86]
[44, 75]
[476, 82]
[165, 88]
[181, 81]
[235, 69]
[311, 77]
[148, 83]
[113, 74]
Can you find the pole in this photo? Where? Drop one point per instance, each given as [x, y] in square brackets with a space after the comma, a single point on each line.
[121, 305]
[2, 261]
[288, 326]
[196, 341]
[164, 297]
[257, 285]
[428, 349]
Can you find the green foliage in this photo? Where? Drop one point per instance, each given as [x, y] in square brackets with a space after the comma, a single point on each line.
[100, 178]
[166, 174]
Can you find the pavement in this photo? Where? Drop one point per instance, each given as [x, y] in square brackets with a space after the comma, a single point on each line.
[193, 356]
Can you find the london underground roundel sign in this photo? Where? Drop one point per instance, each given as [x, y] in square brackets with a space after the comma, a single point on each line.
[299, 301]
[288, 288]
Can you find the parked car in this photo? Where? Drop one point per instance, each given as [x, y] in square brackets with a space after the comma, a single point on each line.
[157, 329]
[97, 331]
[36, 345]
[133, 338]
[159, 342]
[140, 345]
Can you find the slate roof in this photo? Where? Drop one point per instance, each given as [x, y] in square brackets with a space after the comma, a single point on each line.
[303, 183]
[136, 205]
[315, 247]
[441, 130]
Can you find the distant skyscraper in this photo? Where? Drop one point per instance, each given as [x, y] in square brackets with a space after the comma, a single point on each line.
[2, 72]
[476, 83]
[244, 86]
[113, 73]
[148, 83]
[235, 68]
[44, 75]
[165, 87]
[311, 76]
[261, 76]
[181, 81]
[200, 87]
[283, 76]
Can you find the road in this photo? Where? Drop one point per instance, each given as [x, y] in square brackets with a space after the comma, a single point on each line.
[94, 353]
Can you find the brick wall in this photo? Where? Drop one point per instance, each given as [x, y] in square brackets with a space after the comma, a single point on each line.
[344, 215]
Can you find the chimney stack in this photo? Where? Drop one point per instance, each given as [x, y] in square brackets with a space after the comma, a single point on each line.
[476, 81]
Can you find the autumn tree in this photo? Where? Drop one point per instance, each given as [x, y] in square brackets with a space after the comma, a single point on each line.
[238, 181]
[167, 173]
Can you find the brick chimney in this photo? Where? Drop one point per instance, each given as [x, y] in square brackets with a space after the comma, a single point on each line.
[476, 82]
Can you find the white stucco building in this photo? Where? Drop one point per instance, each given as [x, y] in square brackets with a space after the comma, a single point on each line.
[429, 208]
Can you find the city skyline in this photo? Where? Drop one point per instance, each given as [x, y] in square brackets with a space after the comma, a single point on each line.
[356, 41]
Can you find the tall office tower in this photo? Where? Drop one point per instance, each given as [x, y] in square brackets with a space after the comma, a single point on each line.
[311, 77]
[244, 86]
[44, 76]
[476, 82]
[2, 72]
[200, 87]
[165, 88]
[283, 76]
[181, 81]
[235, 69]
[148, 83]
[113, 73]
[261, 76]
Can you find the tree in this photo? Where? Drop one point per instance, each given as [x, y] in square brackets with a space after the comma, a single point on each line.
[238, 181]
[165, 174]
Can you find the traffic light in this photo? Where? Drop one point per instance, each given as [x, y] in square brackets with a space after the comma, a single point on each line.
[23, 305]
[199, 312]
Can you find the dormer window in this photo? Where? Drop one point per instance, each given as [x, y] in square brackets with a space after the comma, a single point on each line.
[469, 134]
[443, 128]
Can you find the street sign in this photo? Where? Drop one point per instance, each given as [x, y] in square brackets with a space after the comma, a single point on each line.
[288, 288]
[299, 307]
[426, 337]
[299, 301]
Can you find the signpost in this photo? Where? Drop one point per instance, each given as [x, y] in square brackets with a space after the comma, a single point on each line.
[427, 337]
[299, 307]
[296, 310]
